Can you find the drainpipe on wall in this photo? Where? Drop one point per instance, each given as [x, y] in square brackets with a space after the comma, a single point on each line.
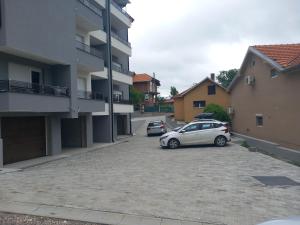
[1, 148]
[109, 69]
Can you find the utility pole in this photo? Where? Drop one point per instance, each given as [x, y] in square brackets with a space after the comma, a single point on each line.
[109, 68]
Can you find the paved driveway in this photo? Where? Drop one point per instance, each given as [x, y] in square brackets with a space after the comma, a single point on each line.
[205, 184]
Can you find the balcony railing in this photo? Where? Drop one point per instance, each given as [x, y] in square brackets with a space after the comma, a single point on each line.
[92, 5]
[116, 36]
[88, 49]
[119, 68]
[88, 95]
[122, 101]
[31, 88]
[121, 10]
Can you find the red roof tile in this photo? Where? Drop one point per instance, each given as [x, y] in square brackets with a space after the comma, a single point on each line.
[287, 55]
[142, 78]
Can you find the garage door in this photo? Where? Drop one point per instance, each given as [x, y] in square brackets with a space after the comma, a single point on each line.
[23, 138]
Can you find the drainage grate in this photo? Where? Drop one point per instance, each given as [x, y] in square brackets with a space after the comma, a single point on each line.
[276, 181]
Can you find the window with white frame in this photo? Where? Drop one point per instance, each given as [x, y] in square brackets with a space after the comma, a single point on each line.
[199, 104]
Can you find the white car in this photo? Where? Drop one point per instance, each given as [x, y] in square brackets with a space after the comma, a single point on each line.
[289, 221]
[194, 133]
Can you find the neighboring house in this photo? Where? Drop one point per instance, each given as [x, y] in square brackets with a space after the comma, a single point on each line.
[148, 85]
[168, 102]
[265, 95]
[64, 81]
[192, 101]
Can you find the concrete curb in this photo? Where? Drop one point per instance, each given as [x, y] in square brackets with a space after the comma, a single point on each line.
[92, 216]
[272, 149]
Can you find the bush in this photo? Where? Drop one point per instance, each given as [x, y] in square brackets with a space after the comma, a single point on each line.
[219, 112]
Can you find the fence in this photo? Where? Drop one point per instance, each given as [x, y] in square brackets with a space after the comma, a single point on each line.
[159, 108]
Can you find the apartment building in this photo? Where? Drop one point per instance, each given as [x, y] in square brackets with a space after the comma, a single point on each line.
[64, 75]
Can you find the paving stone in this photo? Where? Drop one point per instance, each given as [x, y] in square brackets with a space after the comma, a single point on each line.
[131, 220]
[170, 222]
[151, 221]
[139, 178]
[104, 217]
[191, 223]
[61, 212]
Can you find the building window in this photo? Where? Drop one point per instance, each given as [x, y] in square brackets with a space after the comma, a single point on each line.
[274, 73]
[259, 120]
[199, 104]
[211, 89]
[253, 62]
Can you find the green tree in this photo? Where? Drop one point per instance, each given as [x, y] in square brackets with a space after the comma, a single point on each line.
[225, 77]
[173, 91]
[218, 111]
[136, 96]
[160, 99]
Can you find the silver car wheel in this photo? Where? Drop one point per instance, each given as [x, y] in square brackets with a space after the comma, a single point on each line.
[173, 143]
[221, 141]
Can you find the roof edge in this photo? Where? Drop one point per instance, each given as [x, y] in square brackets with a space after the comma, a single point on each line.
[256, 52]
[183, 93]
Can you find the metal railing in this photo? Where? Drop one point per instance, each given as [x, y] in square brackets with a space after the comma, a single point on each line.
[116, 36]
[88, 95]
[120, 69]
[121, 9]
[88, 49]
[122, 101]
[92, 5]
[31, 88]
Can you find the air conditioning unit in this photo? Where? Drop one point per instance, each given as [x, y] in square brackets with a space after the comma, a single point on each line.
[250, 80]
[230, 110]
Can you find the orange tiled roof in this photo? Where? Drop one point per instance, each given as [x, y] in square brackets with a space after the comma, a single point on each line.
[142, 78]
[287, 55]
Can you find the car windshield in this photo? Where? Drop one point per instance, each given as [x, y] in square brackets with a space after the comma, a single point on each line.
[177, 129]
[154, 124]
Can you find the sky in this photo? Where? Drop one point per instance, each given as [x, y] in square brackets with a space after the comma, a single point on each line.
[184, 41]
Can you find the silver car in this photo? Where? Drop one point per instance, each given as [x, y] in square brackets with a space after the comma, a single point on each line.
[156, 128]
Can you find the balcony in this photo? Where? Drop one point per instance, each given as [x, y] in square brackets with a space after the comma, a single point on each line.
[119, 68]
[90, 101]
[120, 9]
[89, 59]
[122, 106]
[89, 15]
[120, 44]
[18, 96]
[116, 36]
[122, 101]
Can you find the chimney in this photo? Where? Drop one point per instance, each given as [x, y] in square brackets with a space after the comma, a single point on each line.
[212, 76]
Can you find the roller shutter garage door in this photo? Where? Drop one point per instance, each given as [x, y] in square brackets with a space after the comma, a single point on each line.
[23, 138]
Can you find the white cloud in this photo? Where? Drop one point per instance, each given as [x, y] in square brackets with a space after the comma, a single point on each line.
[184, 41]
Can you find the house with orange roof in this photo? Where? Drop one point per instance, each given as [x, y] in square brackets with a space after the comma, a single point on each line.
[192, 101]
[265, 95]
[148, 85]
